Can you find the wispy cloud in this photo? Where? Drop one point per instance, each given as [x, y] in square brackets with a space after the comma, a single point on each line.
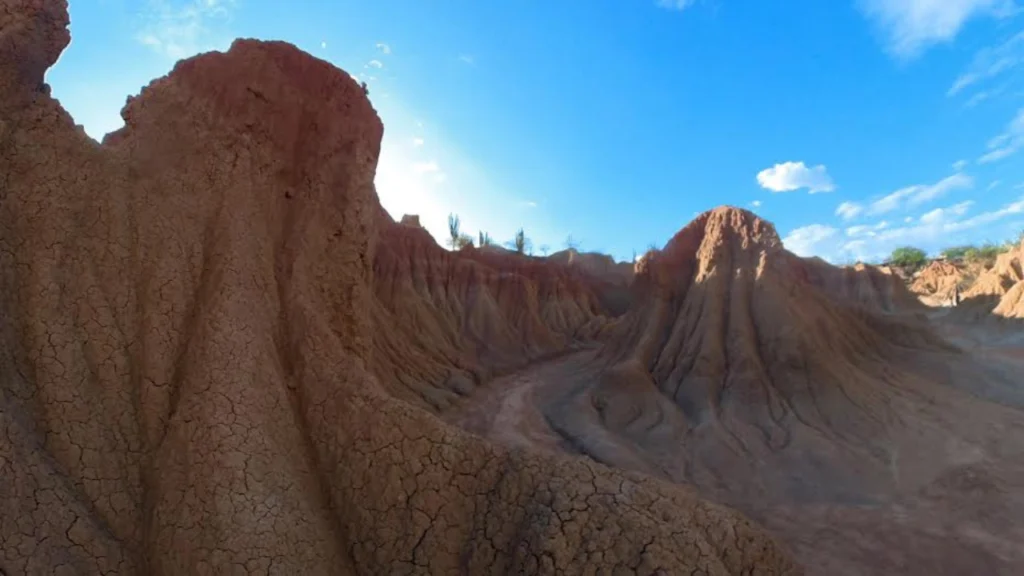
[990, 63]
[383, 48]
[959, 165]
[912, 26]
[849, 210]
[931, 231]
[866, 229]
[676, 4]
[808, 240]
[1007, 143]
[982, 96]
[939, 215]
[756, 203]
[376, 64]
[913, 196]
[180, 30]
[790, 176]
[467, 59]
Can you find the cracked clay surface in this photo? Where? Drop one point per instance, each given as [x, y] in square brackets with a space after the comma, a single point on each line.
[185, 355]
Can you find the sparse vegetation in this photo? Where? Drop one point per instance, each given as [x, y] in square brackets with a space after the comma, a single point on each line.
[521, 244]
[984, 254]
[571, 243]
[544, 249]
[956, 252]
[464, 241]
[484, 239]
[453, 231]
[908, 257]
[366, 89]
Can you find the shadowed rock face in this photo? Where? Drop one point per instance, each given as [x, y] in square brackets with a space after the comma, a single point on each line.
[447, 321]
[192, 337]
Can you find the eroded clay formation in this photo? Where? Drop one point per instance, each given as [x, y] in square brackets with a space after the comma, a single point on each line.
[191, 334]
[218, 354]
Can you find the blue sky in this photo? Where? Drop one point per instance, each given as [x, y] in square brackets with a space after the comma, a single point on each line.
[856, 126]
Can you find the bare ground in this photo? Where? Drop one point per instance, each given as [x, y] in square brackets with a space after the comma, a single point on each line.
[964, 518]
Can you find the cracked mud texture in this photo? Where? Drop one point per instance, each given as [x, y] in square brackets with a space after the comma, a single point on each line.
[188, 354]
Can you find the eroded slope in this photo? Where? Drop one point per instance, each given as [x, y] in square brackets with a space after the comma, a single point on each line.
[187, 354]
[800, 393]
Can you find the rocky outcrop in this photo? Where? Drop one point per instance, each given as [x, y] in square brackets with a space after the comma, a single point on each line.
[193, 346]
[938, 281]
[1007, 271]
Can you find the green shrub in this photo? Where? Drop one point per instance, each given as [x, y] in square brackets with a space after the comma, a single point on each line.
[908, 257]
[957, 252]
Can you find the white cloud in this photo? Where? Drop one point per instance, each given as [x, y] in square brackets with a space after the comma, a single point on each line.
[912, 26]
[849, 210]
[384, 48]
[323, 45]
[1007, 143]
[375, 64]
[676, 4]
[790, 176]
[959, 165]
[808, 240]
[916, 195]
[184, 30]
[430, 167]
[417, 141]
[980, 97]
[989, 63]
[939, 215]
[995, 184]
[756, 203]
[866, 229]
[934, 230]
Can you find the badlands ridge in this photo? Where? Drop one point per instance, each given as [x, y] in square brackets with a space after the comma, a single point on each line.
[219, 354]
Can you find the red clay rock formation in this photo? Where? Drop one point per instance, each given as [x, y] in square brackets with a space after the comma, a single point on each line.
[1007, 271]
[876, 288]
[447, 321]
[1009, 268]
[938, 281]
[776, 384]
[189, 342]
[411, 220]
[611, 279]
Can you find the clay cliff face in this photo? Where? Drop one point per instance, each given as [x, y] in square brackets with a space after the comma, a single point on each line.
[1009, 273]
[194, 340]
